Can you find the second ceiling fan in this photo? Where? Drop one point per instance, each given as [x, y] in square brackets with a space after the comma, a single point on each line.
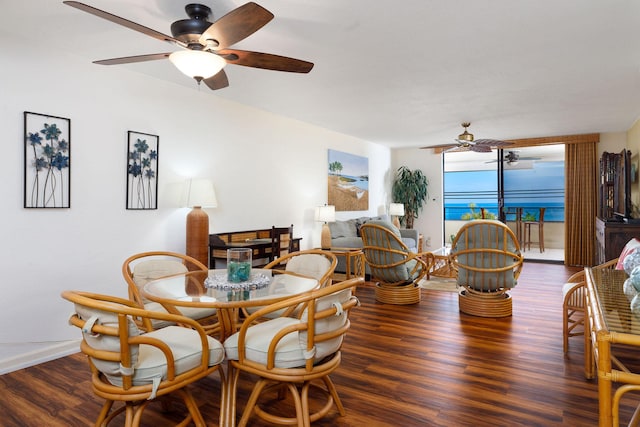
[466, 142]
[206, 44]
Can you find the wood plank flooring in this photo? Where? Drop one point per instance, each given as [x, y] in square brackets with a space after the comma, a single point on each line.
[419, 365]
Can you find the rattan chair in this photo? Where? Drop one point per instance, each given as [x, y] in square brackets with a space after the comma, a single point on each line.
[395, 269]
[573, 304]
[294, 353]
[487, 257]
[314, 263]
[141, 268]
[135, 368]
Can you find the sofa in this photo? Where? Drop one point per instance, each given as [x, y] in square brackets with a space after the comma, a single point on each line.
[346, 234]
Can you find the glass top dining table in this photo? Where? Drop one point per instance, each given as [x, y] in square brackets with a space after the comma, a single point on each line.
[211, 290]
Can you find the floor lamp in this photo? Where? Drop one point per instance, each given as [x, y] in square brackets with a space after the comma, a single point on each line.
[326, 214]
[396, 210]
[199, 193]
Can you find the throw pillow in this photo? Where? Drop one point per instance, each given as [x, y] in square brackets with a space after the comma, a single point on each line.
[631, 246]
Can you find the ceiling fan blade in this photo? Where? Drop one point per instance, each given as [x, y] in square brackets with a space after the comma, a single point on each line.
[236, 25]
[266, 61]
[492, 142]
[480, 148]
[217, 81]
[124, 22]
[132, 59]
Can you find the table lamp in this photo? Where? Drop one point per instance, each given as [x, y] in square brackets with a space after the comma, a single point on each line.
[198, 194]
[326, 214]
[396, 210]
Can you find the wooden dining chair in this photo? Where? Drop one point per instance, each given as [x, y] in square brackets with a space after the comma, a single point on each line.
[143, 267]
[135, 367]
[538, 222]
[281, 241]
[294, 354]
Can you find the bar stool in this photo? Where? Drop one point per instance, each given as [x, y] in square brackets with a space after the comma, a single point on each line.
[527, 231]
[517, 213]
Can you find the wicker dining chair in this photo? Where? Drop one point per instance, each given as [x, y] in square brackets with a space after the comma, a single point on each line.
[395, 269]
[143, 267]
[315, 263]
[135, 367]
[486, 254]
[573, 304]
[294, 354]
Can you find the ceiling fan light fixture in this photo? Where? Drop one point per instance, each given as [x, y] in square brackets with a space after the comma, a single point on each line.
[466, 136]
[197, 64]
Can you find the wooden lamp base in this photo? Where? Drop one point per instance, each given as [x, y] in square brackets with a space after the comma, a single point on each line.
[198, 235]
[325, 237]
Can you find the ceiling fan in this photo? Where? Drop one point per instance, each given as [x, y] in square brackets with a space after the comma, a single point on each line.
[466, 142]
[206, 44]
[512, 158]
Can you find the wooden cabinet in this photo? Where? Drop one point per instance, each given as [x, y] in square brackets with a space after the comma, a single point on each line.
[614, 201]
[611, 237]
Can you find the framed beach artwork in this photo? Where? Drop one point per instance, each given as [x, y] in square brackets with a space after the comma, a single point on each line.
[348, 184]
[142, 171]
[47, 161]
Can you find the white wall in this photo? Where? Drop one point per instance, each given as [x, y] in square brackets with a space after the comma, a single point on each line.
[429, 221]
[268, 170]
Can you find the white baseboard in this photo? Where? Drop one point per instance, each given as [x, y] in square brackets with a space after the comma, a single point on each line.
[40, 355]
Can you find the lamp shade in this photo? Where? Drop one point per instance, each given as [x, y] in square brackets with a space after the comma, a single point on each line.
[326, 213]
[396, 209]
[199, 192]
[196, 63]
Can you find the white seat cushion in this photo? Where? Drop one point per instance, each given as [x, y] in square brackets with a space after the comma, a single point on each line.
[567, 287]
[186, 347]
[289, 354]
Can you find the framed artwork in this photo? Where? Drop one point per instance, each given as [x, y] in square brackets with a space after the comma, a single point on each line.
[142, 170]
[47, 161]
[348, 183]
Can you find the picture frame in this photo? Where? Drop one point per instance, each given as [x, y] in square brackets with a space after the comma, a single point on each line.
[348, 181]
[47, 161]
[142, 171]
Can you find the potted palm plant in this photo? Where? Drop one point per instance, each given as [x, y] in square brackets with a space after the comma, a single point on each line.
[410, 189]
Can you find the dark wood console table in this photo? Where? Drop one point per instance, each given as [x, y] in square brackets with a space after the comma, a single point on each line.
[611, 237]
[259, 241]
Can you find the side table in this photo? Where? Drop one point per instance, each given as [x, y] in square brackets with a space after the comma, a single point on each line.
[354, 261]
[442, 266]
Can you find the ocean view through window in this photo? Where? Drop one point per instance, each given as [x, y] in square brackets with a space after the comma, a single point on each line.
[537, 184]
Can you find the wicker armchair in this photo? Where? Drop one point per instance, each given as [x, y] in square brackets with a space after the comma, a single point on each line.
[135, 368]
[395, 269]
[294, 353]
[141, 268]
[487, 257]
[573, 304]
[314, 263]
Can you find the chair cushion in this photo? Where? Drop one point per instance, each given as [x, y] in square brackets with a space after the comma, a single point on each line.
[310, 265]
[148, 361]
[485, 236]
[568, 287]
[343, 228]
[289, 354]
[186, 348]
[106, 342]
[145, 271]
[325, 348]
[290, 351]
[402, 271]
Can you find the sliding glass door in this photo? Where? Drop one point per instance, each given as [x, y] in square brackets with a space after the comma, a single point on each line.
[506, 185]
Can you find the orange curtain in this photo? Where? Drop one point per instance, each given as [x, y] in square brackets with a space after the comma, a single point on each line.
[581, 189]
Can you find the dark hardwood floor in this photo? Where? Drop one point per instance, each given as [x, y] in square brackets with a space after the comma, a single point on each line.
[419, 365]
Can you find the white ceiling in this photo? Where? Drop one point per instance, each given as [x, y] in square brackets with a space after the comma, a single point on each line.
[402, 74]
